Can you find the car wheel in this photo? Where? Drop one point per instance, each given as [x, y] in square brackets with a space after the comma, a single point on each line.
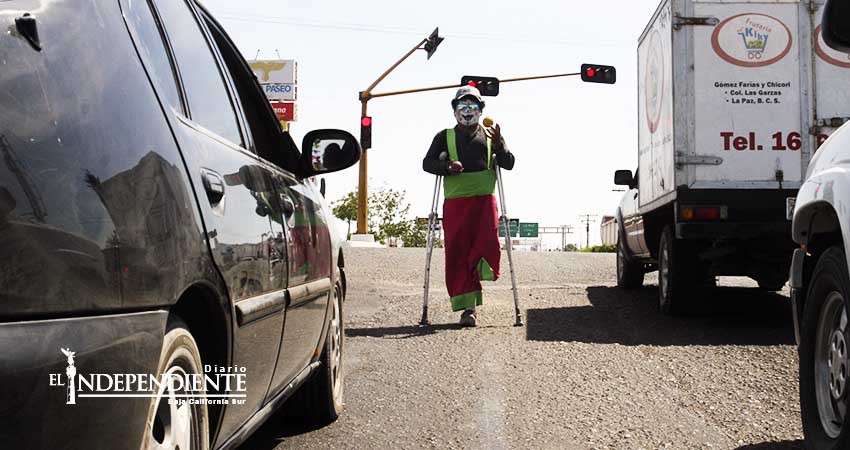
[172, 425]
[629, 272]
[320, 399]
[675, 270]
[824, 367]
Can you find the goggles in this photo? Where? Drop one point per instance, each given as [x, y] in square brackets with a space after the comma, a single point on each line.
[467, 106]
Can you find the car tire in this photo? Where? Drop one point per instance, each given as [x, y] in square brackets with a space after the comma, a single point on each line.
[320, 398]
[629, 272]
[823, 351]
[675, 273]
[171, 426]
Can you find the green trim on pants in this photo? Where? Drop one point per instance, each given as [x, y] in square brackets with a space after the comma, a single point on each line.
[468, 300]
[485, 272]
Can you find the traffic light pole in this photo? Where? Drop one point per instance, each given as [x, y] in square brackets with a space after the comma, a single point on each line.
[362, 185]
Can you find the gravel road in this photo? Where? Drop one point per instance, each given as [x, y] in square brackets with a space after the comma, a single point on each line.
[594, 367]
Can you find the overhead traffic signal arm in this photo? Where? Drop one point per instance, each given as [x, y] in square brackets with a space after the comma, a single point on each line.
[597, 73]
[488, 86]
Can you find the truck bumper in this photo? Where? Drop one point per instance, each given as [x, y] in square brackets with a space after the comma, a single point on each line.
[736, 231]
[34, 388]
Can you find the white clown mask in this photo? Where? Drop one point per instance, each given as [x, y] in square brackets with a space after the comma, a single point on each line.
[467, 113]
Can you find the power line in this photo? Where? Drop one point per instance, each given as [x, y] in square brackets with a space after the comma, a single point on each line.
[241, 17]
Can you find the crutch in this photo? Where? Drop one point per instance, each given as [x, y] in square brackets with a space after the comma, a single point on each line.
[503, 219]
[433, 220]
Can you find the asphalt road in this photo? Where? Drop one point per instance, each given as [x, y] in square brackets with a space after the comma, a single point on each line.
[594, 366]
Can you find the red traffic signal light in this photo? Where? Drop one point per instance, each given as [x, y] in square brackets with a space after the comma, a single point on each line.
[488, 86]
[596, 73]
[365, 132]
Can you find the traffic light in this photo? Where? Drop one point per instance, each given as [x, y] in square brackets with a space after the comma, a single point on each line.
[433, 42]
[488, 86]
[365, 132]
[595, 73]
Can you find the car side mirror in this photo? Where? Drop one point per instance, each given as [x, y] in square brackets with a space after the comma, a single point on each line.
[325, 151]
[624, 178]
[835, 25]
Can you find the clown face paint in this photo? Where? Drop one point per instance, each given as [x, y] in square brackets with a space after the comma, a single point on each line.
[467, 113]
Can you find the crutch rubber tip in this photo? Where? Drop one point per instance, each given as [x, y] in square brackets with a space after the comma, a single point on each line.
[424, 323]
[518, 321]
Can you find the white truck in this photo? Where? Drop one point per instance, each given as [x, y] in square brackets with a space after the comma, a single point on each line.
[734, 98]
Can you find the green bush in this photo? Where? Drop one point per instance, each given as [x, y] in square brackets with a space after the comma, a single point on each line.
[604, 248]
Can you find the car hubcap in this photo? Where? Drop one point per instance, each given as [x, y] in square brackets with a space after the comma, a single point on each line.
[831, 365]
[336, 347]
[174, 424]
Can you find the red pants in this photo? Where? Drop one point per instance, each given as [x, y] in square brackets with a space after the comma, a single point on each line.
[471, 227]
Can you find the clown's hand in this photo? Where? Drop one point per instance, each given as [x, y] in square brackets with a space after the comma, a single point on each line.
[495, 135]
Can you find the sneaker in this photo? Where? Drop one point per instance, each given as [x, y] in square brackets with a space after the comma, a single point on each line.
[467, 319]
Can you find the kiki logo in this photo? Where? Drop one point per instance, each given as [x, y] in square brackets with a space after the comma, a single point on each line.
[751, 40]
[755, 38]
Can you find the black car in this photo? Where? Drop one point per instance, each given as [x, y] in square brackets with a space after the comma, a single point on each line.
[168, 278]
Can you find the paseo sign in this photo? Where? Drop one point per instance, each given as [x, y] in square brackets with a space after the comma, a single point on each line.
[751, 40]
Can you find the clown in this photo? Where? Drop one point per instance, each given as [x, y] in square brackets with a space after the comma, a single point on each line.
[465, 155]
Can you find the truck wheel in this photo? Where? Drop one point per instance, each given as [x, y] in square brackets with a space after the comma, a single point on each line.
[824, 366]
[629, 272]
[171, 425]
[675, 273]
[320, 398]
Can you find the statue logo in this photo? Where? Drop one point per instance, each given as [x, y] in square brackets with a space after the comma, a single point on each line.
[71, 373]
[267, 67]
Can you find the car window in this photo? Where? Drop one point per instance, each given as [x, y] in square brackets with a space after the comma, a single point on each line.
[206, 94]
[269, 141]
[150, 44]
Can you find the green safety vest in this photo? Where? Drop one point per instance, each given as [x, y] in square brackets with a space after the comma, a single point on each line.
[469, 184]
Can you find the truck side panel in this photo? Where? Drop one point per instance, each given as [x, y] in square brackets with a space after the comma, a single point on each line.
[655, 108]
[748, 91]
[831, 93]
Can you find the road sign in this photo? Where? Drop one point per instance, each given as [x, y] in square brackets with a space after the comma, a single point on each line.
[528, 230]
[514, 228]
[281, 92]
[275, 71]
[285, 111]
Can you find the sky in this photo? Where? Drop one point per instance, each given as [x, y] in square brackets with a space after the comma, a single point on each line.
[568, 136]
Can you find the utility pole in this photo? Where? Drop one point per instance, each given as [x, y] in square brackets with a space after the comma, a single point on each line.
[586, 219]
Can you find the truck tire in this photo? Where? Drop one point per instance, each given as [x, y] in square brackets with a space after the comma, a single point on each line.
[824, 396]
[629, 272]
[319, 401]
[675, 273]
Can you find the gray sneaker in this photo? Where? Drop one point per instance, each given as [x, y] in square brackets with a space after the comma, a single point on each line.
[467, 319]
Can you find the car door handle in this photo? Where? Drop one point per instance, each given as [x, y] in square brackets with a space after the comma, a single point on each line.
[213, 185]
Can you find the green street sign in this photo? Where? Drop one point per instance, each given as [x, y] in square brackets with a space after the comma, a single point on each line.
[514, 228]
[528, 230]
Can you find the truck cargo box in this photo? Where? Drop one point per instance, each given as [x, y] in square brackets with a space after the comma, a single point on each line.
[734, 95]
